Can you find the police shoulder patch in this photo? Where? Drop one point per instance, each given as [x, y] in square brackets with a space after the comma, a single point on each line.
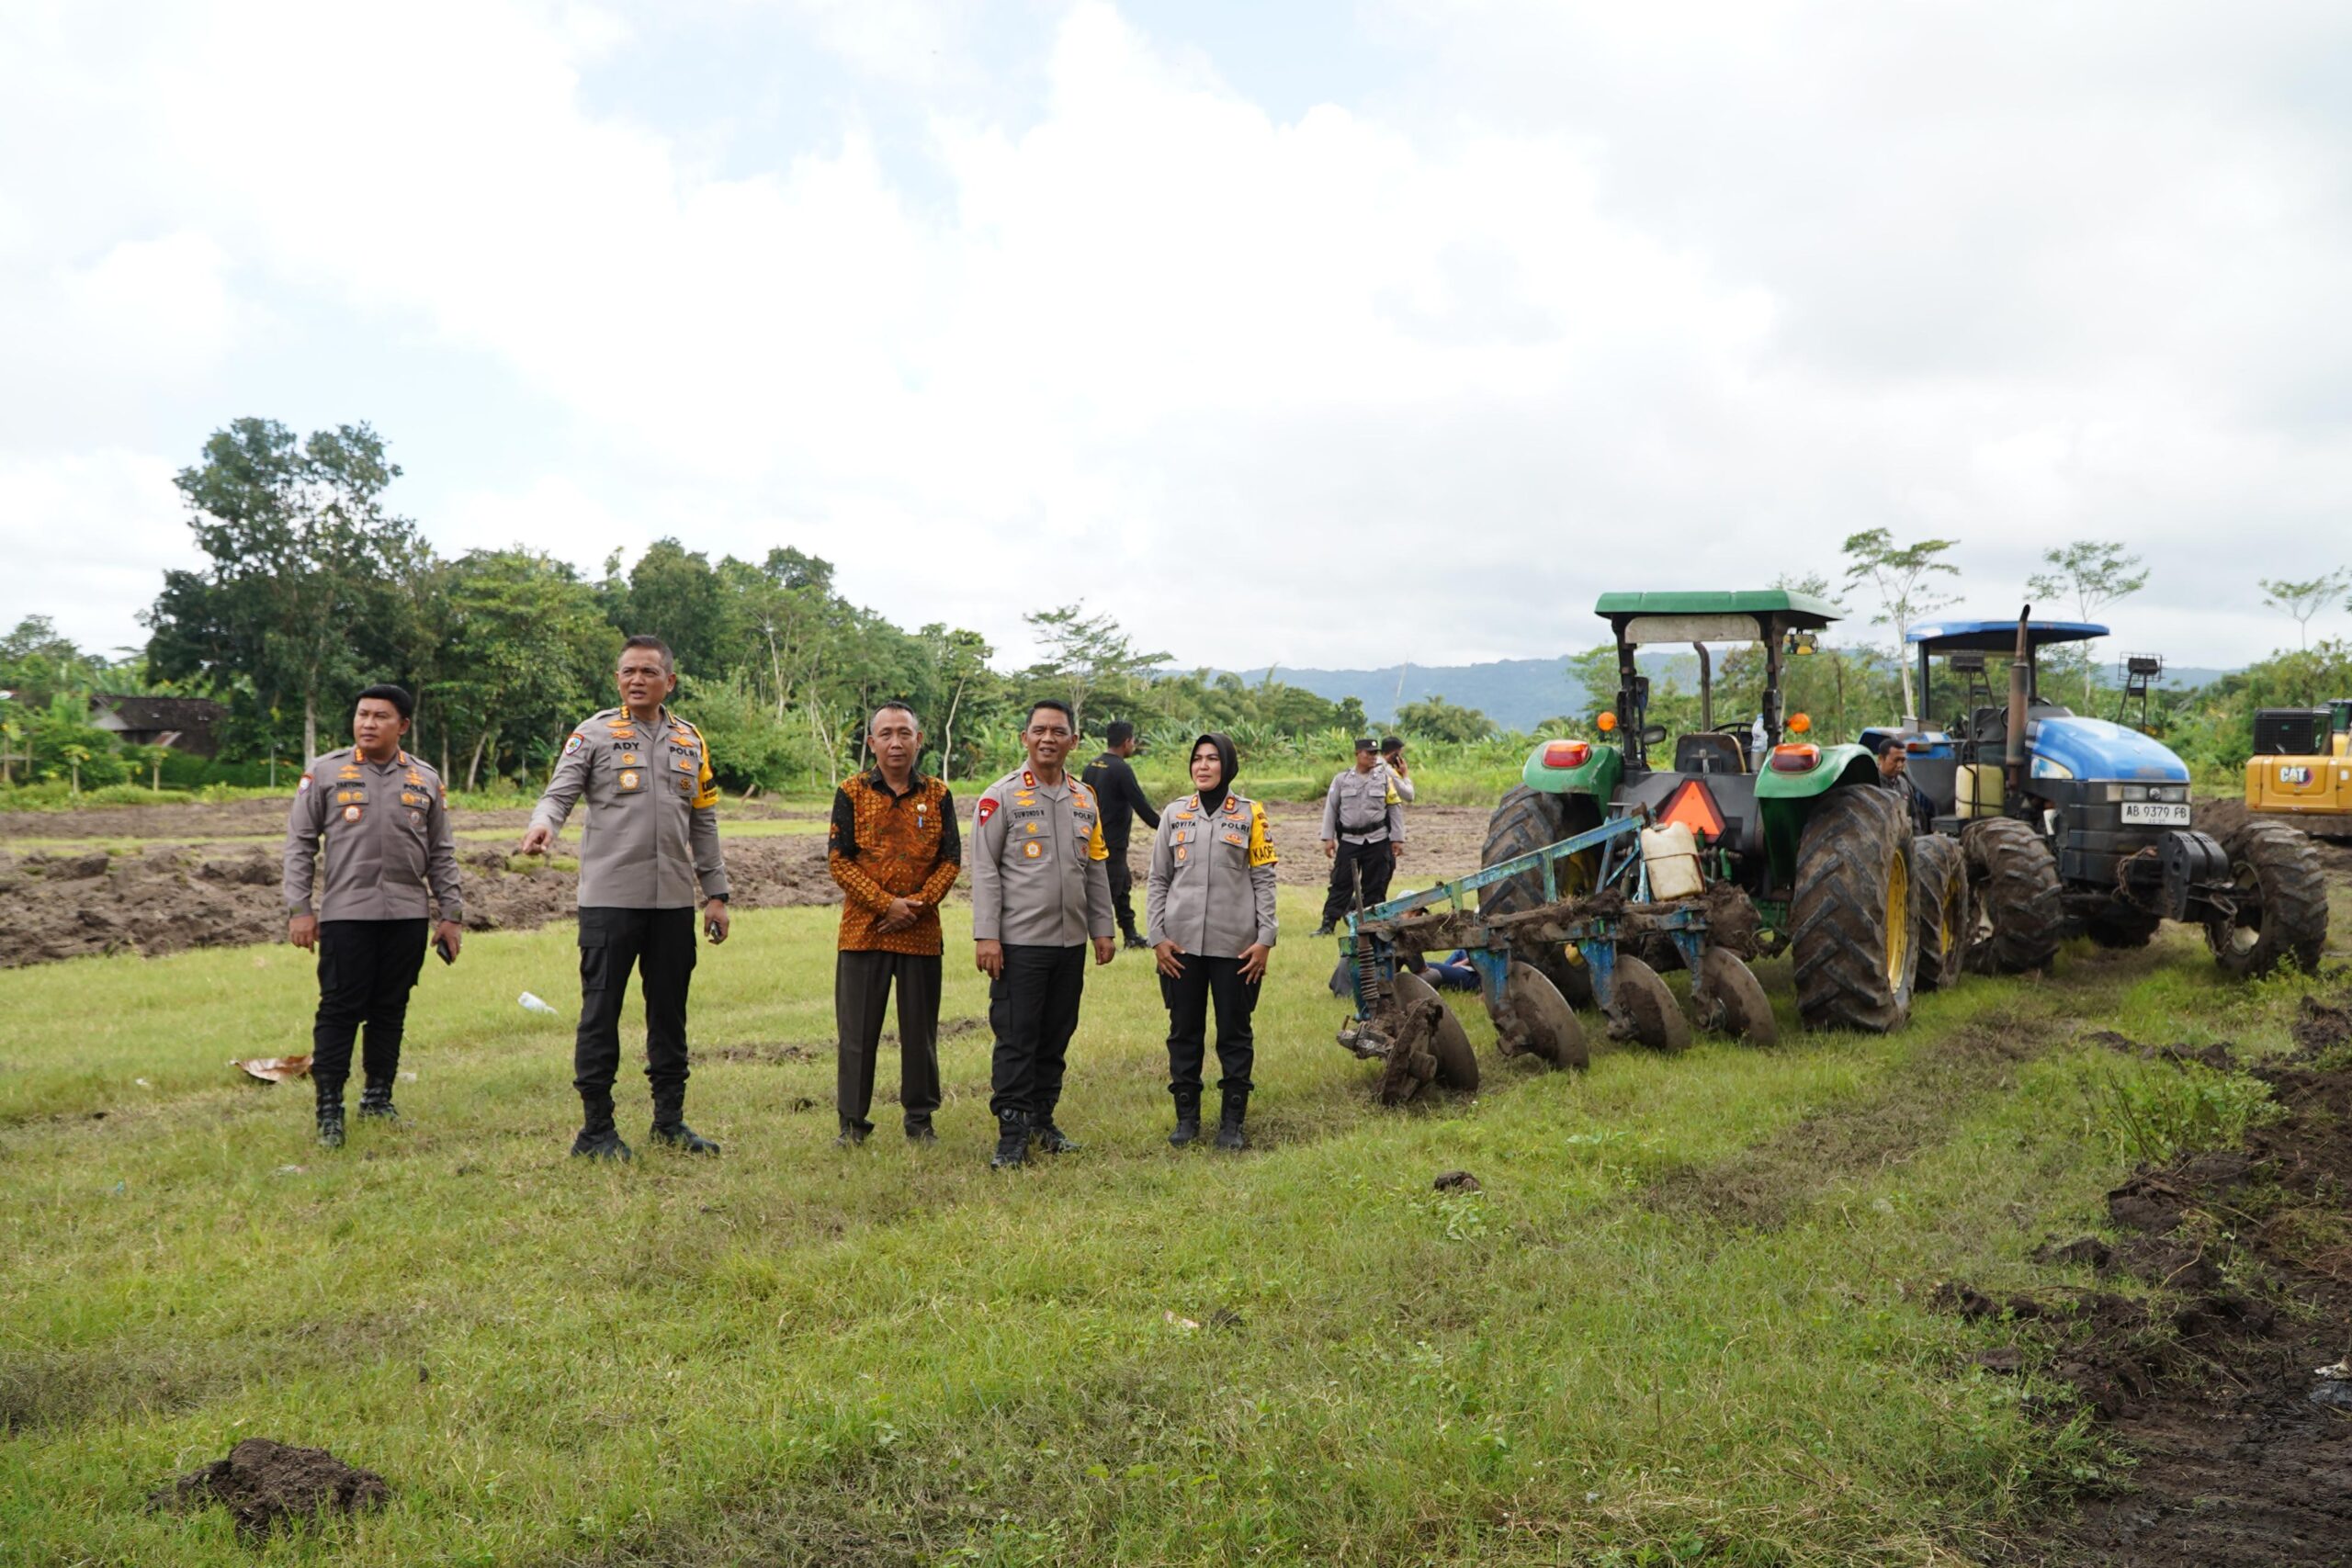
[987, 807]
[303, 785]
[577, 741]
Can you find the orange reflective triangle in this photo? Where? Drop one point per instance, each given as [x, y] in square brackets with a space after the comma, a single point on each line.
[1693, 806]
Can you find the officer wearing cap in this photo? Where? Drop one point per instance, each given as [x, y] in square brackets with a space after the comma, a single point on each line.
[1041, 889]
[1122, 800]
[379, 815]
[1363, 832]
[1209, 903]
[650, 847]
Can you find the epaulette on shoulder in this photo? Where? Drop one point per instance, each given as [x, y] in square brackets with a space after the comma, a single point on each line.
[681, 724]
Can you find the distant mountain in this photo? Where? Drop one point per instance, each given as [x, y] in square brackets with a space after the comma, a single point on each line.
[1520, 694]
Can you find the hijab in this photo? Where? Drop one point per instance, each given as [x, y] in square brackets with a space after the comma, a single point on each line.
[1228, 765]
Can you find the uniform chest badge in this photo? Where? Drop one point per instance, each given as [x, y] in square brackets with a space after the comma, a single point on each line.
[1180, 852]
[629, 781]
[629, 758]
[351, 814]
[1033, 849]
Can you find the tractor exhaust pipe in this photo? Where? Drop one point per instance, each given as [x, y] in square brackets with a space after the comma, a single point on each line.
[2020, 689]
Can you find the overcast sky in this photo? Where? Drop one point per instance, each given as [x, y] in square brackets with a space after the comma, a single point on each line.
[1318, 333]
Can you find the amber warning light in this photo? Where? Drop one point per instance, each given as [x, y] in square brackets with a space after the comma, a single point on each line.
[1567, 754]
[1796, 759]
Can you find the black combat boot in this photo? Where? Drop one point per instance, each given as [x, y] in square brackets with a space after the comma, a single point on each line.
[919, 1131]
[330, 1110]
[598, 1139]
[1011, 1141]
[1134, 938]
[1228, 1125]
[1050, 1138]
[1188, 1117]
[670, 1127]
[375, 1101]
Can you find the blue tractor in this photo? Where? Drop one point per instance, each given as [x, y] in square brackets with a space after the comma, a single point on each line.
[2071, 825]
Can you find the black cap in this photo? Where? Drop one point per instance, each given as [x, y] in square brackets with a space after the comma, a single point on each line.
[1366, 743]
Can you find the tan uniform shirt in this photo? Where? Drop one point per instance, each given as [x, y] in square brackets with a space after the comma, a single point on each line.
[386, 830]
[652, 841]
[1362, 809]
[1212, 882]
[1041, 875]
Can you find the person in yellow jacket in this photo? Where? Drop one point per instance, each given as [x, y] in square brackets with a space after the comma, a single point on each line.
[1209, 915]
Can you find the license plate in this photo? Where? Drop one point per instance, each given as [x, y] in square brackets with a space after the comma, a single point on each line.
[2157, 813]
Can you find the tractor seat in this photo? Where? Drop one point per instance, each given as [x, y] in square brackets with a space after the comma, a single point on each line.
[1710, 753]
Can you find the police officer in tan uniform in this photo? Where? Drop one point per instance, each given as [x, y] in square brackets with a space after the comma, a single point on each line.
[1209, 907]
[1041, 889]
[380, 815]
[650, 847]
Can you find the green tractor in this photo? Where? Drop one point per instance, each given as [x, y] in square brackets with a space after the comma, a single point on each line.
[1799, 848]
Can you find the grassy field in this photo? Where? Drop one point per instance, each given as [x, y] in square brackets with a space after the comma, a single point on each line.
[1684, 1321]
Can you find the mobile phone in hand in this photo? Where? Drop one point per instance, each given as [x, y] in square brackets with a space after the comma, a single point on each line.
[441, 946]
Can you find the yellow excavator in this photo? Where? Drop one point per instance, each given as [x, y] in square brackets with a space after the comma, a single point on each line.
[2301, 769]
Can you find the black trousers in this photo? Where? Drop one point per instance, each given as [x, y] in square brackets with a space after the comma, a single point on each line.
[1122, 888]
[367, 968]
[862, 984]
[1189, 996]
[1374, 862]
[660, 945]
[1032, 1008]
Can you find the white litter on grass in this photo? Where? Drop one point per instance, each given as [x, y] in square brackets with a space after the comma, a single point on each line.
[408, 1078]
[533, 1004]
[289, 1170]
[2340, 1372]
[1184, 1323]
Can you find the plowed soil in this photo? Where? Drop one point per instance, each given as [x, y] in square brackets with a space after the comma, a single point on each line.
[2241, 1453]
[192, 884]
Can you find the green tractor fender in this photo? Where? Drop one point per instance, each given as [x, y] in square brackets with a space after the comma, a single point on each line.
[1785, 799]
[1574, 767]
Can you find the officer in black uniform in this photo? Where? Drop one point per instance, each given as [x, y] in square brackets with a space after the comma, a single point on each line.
[1122, 801]
[379, 816]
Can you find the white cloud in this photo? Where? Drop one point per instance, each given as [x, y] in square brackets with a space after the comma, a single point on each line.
[1598, 297]
[89, 537]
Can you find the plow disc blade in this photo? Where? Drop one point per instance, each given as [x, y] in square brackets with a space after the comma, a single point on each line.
[1536, 1018]
[1739, 1008]
[1457, 1065]
[1642, 1009]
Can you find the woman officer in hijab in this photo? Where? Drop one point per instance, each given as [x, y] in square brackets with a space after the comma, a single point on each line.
[1209, 915]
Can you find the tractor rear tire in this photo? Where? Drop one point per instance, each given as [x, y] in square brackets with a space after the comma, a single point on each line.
[1641, 1008]
[1850, 924]
[1525, 821]
[2284, 866]
[1943, 917]
[2021, 912]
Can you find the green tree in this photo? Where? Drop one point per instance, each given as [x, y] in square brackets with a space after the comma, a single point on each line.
[675, 594]
[1904, 578]
[303, 558]
[1434, 718]
[2306, 599]
[2094, 573]
[528, 649]
[1084, 651]
[36, 663]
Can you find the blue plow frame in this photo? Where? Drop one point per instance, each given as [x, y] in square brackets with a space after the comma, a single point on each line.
[1621, 865]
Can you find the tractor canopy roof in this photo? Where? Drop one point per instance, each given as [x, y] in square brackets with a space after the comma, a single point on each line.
[1747, 615]
[1998, 637]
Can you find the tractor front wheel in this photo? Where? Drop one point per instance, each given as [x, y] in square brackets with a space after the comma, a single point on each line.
[1943, 919]
[2021, 912]
[2277, 872]
[1850, 924]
